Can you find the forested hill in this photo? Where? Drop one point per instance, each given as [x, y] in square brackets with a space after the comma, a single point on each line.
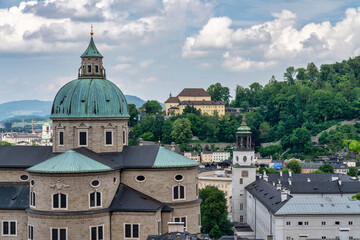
[307, 101]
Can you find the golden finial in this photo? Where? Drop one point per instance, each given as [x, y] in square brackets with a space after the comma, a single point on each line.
[92, 32]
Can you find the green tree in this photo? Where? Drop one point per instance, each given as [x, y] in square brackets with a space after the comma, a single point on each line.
[271, 170]
[147, 136]
[152, 107]
[265, 130]
[181, 130]
[289, 75]
[191, 109]
[326, 168]
[317, 171]
[352, 171]
[213, 212]
[219, 93]
[294, 166]
[4, 143]
[134, 114]
[300, 140]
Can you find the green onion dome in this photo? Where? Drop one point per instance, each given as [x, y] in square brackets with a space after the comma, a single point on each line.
[89, 98]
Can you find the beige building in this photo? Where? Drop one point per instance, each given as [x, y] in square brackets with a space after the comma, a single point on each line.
[22, 138]
[193, 156]
[219, 179]
[207, 157]
[90, 184]
[196, 97]
[220, 156]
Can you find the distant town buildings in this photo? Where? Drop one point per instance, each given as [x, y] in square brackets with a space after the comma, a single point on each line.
[193, 156]
[197, 98]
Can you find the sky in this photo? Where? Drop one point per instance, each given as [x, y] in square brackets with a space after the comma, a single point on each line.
[152, 48]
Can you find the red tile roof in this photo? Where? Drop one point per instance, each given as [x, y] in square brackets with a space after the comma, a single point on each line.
[172, 100]
[194, 92]
[202, 103]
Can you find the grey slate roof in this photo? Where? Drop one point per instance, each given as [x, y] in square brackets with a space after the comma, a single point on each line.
[129, 200]
[175, 236]
[320, 205]
[14, 196]
[266, 194]
[317, 184]
[131, 157]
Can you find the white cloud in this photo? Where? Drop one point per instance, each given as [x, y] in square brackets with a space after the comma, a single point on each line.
[146, 63]
[263, 45]
[148, 80]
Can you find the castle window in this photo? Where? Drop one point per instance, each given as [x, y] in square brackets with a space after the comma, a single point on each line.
[95, 199]
[108, 138]
[32, 199]
[59, 201]
[83, 139]
[30, 232]
[97, 233]
[96, 68]
[58, 234]
[180, 219]
[9, 228]
[61, 138]
[89, 68]
[178, 192]
[132, 230]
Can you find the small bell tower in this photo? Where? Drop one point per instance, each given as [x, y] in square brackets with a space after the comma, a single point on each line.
[91, 61]
[243, 171]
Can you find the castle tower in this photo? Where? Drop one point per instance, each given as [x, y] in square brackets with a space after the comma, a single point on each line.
[90, 111]
[243, 172]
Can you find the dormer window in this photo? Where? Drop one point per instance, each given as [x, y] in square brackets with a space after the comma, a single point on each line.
[89, 68]
[82, 138]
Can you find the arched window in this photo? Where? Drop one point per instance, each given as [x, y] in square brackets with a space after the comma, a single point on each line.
[179, 192]
[244, 158]
[59, 201]
[95, 199]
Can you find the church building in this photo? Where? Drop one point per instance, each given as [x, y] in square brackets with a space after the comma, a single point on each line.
[90, 184]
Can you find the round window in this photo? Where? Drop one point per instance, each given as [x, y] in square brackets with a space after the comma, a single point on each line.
[114, 180]
[95, 183]
[179, 177]
[245, 158]
[140, 178]
[32, 183]
[24, 177]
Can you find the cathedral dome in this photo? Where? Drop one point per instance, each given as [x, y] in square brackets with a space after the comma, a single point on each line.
[90, 97]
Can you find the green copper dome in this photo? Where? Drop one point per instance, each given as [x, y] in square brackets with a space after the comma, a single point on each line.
[91, 50]
[89, 98]
[243, 129]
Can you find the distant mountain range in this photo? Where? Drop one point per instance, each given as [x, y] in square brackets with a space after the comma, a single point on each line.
[25, 108]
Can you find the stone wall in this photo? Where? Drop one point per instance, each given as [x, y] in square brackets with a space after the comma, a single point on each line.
[192, 214]
[76, 186]
[159, 183]
[95, 128]
[20, 217]
[11, 175]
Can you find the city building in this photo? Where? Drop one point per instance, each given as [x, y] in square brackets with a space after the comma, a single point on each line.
[310, 167]
[46, 134]
[219, 156]
[244, 171]
[22, 138]
[350, 162]
[313, 206]
[207, 157]
[90, 184]
[260, 161]
[220, 179]
[193, 156]
[340, 168]
[195, 97]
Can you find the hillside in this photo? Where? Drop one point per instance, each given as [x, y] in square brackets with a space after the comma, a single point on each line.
[36, 108]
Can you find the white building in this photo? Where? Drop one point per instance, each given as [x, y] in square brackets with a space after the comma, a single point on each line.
[244, 172]
[312, 206]
[220, 156]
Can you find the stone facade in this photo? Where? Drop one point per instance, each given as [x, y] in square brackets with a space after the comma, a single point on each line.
[95, 128]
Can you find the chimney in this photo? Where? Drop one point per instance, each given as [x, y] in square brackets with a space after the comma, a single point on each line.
[278, 186]
[281, 173]
[290, 173]
[265, 177]
[235, 235]
[141, 142]
[340, 182]
[283, 195]
[172, 146]
[270, 237]
[308, 180]
[344, 233]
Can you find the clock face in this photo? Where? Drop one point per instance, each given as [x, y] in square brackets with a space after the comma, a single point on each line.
[245, 158]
